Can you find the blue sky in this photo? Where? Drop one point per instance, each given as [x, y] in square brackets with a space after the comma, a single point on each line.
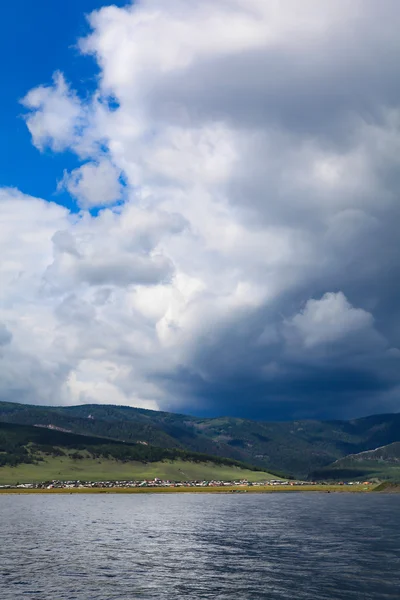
[38, 38]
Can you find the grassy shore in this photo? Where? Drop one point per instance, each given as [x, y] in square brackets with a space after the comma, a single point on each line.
[88, 469]
[204, 490]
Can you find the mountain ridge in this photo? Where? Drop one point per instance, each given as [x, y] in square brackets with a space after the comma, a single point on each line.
[296, 448]
[380, 463]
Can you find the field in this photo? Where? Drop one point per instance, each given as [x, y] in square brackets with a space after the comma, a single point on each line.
[88, 469]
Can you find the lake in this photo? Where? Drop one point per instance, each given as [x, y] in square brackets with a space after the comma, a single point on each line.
[187, 546]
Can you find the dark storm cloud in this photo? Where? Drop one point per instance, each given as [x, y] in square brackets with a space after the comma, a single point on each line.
[256, 370]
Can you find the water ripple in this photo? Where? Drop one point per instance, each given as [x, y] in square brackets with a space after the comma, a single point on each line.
[275, 547]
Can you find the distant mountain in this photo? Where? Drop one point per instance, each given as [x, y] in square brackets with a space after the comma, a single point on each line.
[40, 454]
[389, 454]
[380, 463]
[295, 448]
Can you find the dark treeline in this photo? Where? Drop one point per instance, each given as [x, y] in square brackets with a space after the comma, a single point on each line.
[24, 444]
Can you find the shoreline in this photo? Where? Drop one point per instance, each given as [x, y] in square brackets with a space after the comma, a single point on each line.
[200, 490]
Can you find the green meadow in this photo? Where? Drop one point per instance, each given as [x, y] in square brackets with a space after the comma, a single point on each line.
[66, 468]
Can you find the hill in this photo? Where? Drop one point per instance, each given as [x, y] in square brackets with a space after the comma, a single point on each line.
[296, 448]
[35, 454]
[380, 463]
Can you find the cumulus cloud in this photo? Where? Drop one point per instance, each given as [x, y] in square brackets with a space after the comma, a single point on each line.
[329, 320]
[250, 263]
[54, 116]
[93, 184]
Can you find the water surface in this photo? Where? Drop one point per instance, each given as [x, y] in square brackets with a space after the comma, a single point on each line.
[187, 546]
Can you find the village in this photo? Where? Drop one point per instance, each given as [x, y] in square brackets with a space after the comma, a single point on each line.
[159, 483]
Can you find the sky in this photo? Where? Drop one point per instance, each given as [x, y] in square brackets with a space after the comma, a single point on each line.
[199, 206]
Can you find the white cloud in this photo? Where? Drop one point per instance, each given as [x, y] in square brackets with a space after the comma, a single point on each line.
[93, 184]
[329, 320]
[55, 115]
[97, 381]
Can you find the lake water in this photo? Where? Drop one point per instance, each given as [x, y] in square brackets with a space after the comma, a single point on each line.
[187, 546]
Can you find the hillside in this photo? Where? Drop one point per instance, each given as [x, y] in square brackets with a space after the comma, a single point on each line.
[38, 454]
[380, 463]
[296, 448]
